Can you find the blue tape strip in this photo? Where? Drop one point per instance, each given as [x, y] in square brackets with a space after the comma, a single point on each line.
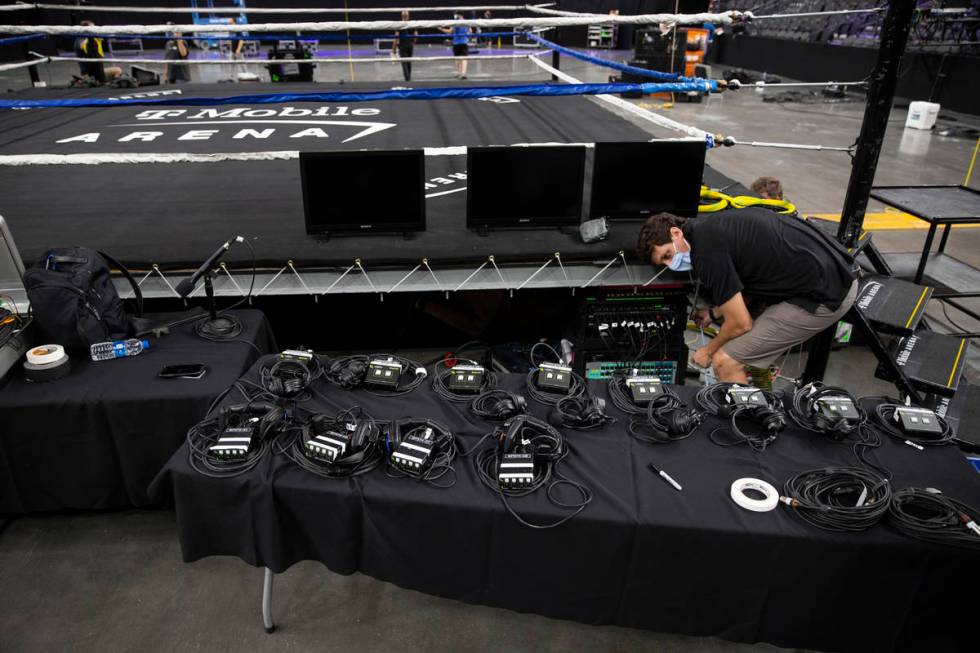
[17, 39]
[581, 56]
[459, 93]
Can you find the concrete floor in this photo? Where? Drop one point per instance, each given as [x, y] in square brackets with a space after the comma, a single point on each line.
[114, 581]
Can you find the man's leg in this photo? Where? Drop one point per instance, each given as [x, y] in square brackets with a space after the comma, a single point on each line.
[727, 369]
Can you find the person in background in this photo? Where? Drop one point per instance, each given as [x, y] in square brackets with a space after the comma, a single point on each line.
[176, 50]
[404, 46]
[487, 15]
[768, 188]
[92, 47]
[460, 44]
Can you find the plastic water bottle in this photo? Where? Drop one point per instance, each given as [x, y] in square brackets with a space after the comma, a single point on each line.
[103, 351]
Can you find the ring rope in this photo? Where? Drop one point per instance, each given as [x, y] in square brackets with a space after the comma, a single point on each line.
[599, 61]
[262, 10]
[458, 93]
[393, 25]
[263, 62]
[629, 107]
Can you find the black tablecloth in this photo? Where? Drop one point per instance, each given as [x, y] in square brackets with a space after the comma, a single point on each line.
[641, 554]
[96, 438]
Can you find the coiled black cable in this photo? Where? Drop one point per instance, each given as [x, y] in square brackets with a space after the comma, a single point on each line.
[576, 387]
[884, 419]
[292, 443]
[349, 372]
[547, 446]
[498, 405]
[770, 416]
[582, 412]
[805, 412]
[619, 394]
[440, 383]
[288, 377]
[265, 418]
[839, 498]
[667, 420]
[934, 517]
[443, 452]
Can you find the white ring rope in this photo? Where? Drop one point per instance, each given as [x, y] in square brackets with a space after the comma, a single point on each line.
[23, 64]
[378, 25]
[262, 62]
[265, 10]
[655, 118]
[809, 14]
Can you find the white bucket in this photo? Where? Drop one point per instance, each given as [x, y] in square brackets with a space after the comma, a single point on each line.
[922, 115]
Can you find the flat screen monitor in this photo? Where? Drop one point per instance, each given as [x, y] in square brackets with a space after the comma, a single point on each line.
[637, 179]
[363, 192]
[524, 187]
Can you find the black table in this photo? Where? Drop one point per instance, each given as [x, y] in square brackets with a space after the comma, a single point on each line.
[96, 438]
[641, 554]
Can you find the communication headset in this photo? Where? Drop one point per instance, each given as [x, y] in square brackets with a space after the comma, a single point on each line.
[287, 378]
[498, 405]
[268, 416]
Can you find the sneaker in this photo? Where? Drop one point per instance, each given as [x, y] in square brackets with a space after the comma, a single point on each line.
[462, 76]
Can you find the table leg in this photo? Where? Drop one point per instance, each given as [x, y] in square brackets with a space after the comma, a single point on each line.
[267, 601]
[925, 253]
[942, 241]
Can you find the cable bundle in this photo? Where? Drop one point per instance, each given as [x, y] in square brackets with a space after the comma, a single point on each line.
[350, 372]
[582, 412]
[576, 388]
[544, 444]
[361, 456]
[289, 376]
[934, 517]
[884, 415]
[620, 396]
[716, 400]
[667, 420]
[440, 382]
[838, 498]
[806, 412]
[260, 418]
[438, 462]
[498, 405]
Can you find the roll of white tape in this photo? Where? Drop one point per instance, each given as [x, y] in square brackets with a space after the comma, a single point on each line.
[45, 354]
[770, 500]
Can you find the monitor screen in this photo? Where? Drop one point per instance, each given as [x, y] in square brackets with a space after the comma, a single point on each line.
[636, 180]
[515, 187]
[363, 192]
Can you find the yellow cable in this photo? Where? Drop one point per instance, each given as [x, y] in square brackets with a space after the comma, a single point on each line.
[969, 171]
[723, 201]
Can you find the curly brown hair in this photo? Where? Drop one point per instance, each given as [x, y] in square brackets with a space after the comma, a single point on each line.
[656, 231]
[769, 187]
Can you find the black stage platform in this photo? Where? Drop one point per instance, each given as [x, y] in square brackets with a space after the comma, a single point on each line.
[174, 214]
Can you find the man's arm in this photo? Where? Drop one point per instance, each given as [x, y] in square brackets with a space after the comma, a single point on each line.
[737, 321]
[182, 48]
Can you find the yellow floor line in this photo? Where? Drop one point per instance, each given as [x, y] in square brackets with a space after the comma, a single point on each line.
[888, 220]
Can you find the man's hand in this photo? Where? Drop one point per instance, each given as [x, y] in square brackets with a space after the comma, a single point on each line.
[702, 318]
[702, 357]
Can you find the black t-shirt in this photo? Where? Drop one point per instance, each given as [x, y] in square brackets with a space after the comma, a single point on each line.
[767, 257]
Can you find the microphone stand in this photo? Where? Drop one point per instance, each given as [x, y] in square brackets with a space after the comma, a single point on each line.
[215, 327]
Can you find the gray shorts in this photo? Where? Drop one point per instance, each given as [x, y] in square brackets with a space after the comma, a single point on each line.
[783, 326]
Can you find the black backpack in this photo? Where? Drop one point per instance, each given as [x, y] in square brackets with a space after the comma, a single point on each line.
[73, 300]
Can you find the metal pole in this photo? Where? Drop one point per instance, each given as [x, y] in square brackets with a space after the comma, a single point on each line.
[31, 70]
[881, 92]
[555, 61]
[267, 601]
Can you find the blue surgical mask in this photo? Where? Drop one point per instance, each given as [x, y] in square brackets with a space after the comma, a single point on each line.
[680, 261]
